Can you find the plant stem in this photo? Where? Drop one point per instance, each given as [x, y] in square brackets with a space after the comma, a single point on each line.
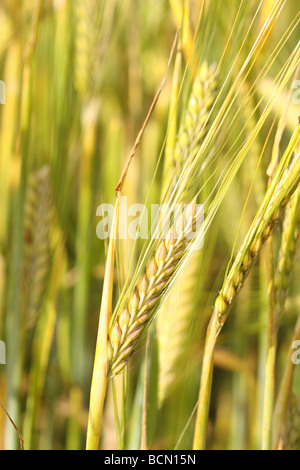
[269, 389]
[99, 378]
[205, 386]
[284, 390]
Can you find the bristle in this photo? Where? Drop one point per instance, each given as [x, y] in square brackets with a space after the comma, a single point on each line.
[176, 315]
[194, 125]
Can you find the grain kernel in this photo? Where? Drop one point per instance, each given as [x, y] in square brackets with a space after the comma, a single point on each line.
[238, 279]
[276, 215]
[266, 232]
[109, 351]
[170, 239]
[151, 269]
[115, 336]
[124, 319]
[142, 285]
[229, 294]
[256, 246]
[133, 303]
[220, 304]
[247, 262]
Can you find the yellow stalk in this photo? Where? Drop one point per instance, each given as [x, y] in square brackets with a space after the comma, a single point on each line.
[269, 388]
[8, 129]
[205, 386]
[99, 377]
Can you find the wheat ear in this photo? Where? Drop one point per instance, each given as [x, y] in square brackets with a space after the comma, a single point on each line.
[129, 325]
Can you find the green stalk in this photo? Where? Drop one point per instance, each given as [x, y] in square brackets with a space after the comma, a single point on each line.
[205, 386]
[269, 389]
[283, 395]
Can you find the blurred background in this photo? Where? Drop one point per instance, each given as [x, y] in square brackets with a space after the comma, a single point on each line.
[79, 79]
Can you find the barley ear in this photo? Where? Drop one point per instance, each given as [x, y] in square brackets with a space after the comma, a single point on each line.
[284, 183]
[38, 217]
[290, 235]
[130, 323]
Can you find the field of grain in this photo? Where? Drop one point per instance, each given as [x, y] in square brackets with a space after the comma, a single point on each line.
[172, 330]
